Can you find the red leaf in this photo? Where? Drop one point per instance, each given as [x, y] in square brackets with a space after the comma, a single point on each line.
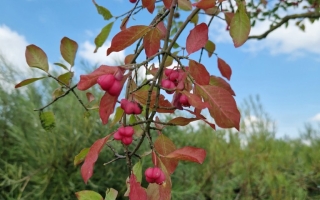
[90, 96]
[205, 4]
[223, 107]
[136, 191]
[167, 3]
[164, 146]
[195, 100]
[228, 16]
[201, 117]
[192, 154]
[197, 38]
[106, 108]
[91, 158]
[128, 59]
[224, 68]
[199, 73]
[220, 82]
[158, 125]
[160, 192]
[87, 81]
[127, 37]
[162, 29]
[142, 96]
[151, 42]
[182, 121]
[149, 4]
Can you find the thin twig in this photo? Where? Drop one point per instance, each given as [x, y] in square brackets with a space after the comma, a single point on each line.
[56, 99]
[310, 15]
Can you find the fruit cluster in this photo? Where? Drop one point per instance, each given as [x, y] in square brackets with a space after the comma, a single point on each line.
[154, 175]
[124, 134]
[111, 84]
[172, 80]
[130, 107]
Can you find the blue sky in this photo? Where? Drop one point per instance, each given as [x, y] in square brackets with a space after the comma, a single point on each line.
[282, 69]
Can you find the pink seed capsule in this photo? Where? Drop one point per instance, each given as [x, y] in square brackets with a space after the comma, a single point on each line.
[127, 140]
[106, 81]
[115, 89]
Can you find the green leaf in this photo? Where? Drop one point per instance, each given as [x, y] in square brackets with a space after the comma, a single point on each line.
[240, 26]
[57, 92]
[68, 49]
[210, 47]
[28, 81]
[65, 78]
[185, 5]
[111, 194]
[137, 171]
[47, 120]
[195, 19]
[137, 129]
[37, 58]
[103, 35]
[88, 195]
[61, 65]
[81, 156]
[104, 12]
[117, 116]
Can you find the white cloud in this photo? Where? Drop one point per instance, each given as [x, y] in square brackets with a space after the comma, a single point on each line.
[290, 40]
[316, 118]
[86, 52]
[13, 65]
[12, 49]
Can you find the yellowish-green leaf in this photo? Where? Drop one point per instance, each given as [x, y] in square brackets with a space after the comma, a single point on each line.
[57, 92]
[210, 48]
[37, 58]
[103, 35]
[240, 26]
[95, 106]
[169, 59]
[137, 171]
[195, 19]
[106, 14]
[28, 81]
[111, 194]
[88, 195]
[137, 129]
[61, 65]
[68, 49]
[65, 78]
[81, 156]
[47, 120]
[117, 116]
[185, 5]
